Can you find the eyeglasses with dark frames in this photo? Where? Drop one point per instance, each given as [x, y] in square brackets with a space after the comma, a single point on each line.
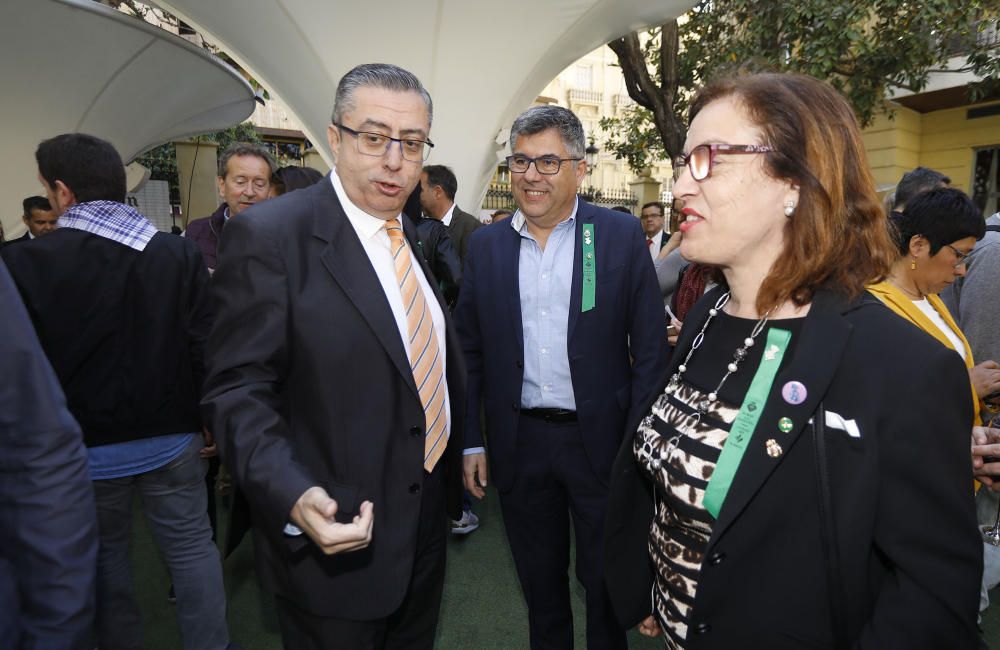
[548, 165]
[702, 158]
[377, 144]
[963, 258]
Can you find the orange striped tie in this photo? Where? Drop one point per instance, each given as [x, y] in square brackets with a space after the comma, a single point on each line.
[425, 355]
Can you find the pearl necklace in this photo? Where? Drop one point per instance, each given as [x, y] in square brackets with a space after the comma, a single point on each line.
[709, 400]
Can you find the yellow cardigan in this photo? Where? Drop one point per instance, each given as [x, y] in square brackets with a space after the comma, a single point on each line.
[898, 302]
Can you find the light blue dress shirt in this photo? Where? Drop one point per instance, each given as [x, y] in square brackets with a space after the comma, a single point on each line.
[545, 284]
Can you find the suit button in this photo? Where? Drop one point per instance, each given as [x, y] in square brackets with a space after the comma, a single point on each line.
[415, 431]
[715, 559]
[520, 364]
[515, 406]
[414, 488]
[702, 628]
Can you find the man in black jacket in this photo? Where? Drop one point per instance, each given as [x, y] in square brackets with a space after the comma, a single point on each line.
[122, 312]
[437, 197]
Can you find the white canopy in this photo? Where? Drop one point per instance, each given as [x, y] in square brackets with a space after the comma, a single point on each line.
[76, 65]
[482, 61]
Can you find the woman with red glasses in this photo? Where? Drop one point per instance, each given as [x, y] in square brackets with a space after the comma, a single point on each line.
[801, 477]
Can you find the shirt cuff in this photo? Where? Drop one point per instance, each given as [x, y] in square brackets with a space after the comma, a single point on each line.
[474, 450]
[292, 530]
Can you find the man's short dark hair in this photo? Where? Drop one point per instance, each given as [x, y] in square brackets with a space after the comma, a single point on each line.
[90, 167]
[655, 204]
[916, 181]
[294, 177]
[35, 203]
[621, 208]
[941, 215]
[377, 75]
[541, 118]
[442, 177]
[246, 149]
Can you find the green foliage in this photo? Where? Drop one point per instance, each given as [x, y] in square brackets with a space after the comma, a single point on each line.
[864, 48]
[633, 137]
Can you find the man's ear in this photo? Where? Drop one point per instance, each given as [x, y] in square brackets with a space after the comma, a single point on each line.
[333, 138]
[221, 184]
[64, 195]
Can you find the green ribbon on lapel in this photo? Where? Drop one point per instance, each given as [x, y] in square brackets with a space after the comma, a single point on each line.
[746, 421]
[589, 298]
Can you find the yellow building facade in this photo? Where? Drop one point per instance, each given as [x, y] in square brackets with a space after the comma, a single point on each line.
[962, 142]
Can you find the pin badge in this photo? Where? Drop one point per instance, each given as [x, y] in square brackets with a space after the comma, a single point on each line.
[785, 425]
[586, 238]
[773, 448]
[794, 392]
[771, 353]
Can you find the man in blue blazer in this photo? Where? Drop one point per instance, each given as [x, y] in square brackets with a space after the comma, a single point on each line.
[562, 327]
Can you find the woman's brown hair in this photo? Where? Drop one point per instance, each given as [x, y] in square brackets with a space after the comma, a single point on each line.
[838, 237]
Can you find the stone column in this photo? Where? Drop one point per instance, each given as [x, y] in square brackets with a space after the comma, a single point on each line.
[197, 170]
[646, 189]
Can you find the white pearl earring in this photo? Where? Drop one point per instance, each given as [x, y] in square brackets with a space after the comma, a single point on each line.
[789, 208]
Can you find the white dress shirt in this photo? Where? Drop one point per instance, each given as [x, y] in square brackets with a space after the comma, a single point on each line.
[375, 240]
[654, 248]
[446, 219]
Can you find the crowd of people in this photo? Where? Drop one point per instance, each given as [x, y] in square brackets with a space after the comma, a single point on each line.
[363, 360]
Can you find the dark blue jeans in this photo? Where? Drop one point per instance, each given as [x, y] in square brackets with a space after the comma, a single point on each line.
[174, 501]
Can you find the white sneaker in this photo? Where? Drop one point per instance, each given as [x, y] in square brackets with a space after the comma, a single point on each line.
[468, 523]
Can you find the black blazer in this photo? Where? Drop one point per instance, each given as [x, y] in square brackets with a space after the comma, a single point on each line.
[615, 349]
[437, 250]
[910, 552]
[461, 228]
[23, 238]
[309, 384]
[124, 330]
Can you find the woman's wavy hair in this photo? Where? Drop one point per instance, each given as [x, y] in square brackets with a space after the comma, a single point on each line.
[838, 238]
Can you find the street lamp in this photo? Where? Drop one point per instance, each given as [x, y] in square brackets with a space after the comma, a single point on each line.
[591, 153]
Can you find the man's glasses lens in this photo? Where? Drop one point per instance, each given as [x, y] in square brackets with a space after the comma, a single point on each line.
[376, 144]
[544, 165]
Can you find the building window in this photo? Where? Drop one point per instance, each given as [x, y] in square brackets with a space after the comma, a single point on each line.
[986, 180]
[584, 76]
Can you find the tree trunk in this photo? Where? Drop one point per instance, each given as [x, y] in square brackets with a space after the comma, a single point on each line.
[658, 99]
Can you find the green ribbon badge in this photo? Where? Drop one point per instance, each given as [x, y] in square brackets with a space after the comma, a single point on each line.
[589, 298]
[746, 421]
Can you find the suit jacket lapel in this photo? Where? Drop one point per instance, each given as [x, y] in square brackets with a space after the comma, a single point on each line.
[584, 214]
[814, 362]
[346, 260]
[507, 269]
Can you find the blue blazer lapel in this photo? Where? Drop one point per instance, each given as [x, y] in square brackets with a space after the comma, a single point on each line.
[584, 214]
[346, 260]
[507, 268]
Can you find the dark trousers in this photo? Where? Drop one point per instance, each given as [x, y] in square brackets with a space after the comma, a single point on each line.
[414, 624]
[554, 480]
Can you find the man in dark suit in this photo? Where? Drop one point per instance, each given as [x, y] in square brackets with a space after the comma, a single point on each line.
[561, 323]
[39, 218]
[651, 218]
[48, 525]
[336, 386]
[437, 197]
